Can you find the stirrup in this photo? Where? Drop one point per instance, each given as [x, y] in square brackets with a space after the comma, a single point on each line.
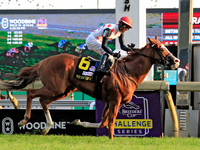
[103, 71]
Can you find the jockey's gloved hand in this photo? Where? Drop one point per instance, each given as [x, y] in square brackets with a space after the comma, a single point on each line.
[131, 46]
[125, 48]
[116, 55]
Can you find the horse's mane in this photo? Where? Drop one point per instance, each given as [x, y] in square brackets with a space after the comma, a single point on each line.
[122, 74]
[132, 54]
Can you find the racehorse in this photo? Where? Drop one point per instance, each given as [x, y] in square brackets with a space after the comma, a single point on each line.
[81, 52]
[57, 75]
[23, 52]
[12, 56]
[65, 46]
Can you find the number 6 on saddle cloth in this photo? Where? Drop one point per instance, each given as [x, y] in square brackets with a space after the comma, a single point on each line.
[86, 68]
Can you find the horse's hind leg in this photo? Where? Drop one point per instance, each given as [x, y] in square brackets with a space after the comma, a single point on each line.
[47, 114]
[27, 115]
[31, 94]
[46, 99]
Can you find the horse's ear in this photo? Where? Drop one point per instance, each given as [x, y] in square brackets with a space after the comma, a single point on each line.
[149, 39]
[156, 37]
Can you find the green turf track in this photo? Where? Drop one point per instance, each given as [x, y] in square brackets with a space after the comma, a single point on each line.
[65, 142]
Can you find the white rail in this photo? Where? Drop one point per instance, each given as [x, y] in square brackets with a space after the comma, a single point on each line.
[145, 85]
[59, 103]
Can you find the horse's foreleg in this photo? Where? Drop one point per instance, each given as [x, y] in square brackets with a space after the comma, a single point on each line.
[102, 124]
[113, 111]
[86, 124]
[27, 115]
[104, 118]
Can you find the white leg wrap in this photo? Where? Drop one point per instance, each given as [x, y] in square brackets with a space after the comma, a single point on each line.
[89, 125]
[49, 121]
[48, 117]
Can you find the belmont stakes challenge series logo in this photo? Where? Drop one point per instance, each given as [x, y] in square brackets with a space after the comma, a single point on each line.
[133, 118]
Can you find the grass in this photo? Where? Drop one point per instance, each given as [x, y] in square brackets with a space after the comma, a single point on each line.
[60, 142]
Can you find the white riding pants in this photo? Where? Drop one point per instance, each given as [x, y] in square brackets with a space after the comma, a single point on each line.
[95, 45]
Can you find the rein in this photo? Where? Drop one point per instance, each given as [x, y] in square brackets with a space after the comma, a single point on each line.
[162, 60]
[159, 60]
[133, 80]
[116, 60]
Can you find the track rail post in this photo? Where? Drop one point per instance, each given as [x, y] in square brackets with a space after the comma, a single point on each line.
[175, 124]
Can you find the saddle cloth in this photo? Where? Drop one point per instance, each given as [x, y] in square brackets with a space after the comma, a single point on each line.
[86, 68]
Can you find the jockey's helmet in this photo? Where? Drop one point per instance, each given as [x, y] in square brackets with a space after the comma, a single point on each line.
[15, 50]
[30, 44]
[127, 21]
[187, 67]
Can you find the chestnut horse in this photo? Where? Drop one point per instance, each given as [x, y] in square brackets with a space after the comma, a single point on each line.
[57, 75]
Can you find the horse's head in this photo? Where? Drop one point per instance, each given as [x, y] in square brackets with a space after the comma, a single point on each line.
[36, 47]
[164, 56]
[69, 43]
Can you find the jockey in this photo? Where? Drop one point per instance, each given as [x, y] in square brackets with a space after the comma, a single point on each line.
[28, 46]
[61, 43]
[98, 39]
[12, 52]
[81, 47]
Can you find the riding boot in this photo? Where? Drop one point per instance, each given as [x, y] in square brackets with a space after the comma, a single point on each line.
[102, 65]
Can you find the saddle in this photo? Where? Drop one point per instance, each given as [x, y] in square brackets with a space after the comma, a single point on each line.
[85, 71]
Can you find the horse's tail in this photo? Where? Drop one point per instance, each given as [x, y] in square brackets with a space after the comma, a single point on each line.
[3, 54]
[26, 76]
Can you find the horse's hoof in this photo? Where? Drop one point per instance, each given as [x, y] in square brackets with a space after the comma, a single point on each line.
[44, 132]
[21, 123]
[75, 122]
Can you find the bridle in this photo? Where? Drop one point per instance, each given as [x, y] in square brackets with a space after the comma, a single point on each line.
[163, 59]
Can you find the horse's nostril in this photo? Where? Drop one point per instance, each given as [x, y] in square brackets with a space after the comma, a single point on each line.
[176, 60]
